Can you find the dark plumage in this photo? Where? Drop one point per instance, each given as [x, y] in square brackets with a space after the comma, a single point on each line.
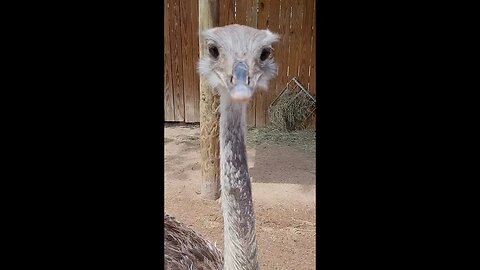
[185, 249]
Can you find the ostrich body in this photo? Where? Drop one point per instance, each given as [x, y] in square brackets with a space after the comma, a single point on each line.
[239, 60]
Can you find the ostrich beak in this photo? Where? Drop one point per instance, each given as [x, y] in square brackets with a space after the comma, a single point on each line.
[241, 90]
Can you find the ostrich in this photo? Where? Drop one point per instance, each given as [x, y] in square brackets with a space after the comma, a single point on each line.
[239, 60]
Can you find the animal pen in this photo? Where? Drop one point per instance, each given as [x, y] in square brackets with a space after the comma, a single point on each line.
[295, 54]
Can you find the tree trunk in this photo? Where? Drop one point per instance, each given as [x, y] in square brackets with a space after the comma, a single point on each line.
[208, 17]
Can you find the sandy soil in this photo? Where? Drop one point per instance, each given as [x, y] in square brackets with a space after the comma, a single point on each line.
[283, 180]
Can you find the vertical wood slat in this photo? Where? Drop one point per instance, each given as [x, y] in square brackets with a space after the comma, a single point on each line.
[241, 14]
[281, 26]
[295, 42]
[193, 66]
[177, 62]
[313, 77]
[270, 18]
[311, 122]
[189, 47]
[264, 98]
[227, 14]
[297, 45]
[300, 39]
[285, 22]
[169, 114]
[306, 55]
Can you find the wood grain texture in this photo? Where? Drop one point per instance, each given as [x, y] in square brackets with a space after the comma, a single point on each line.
[306, 55]
[285, 46]
[313, 76]
[227, 14]
[177, 61]
[296, 42]
[311, 121]
[169, 114]
[266, 19]
[188, 33]
[282, 26]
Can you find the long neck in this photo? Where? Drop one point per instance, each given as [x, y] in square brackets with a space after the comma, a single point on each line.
[239, 219]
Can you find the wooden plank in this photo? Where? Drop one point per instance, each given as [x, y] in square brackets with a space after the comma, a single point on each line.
[297, 46]
[295, 42]
[196, 56]
[252, 15]
[269, 18]
[306, 54]
[261, 104]
[176, 53]
[313, 69]
[167, 63]
[309, 56]
[189, 52]
[313, 77]
[185, 35]
[273, 24]
[227, 14]
[241, 11]
[282, 47]
[289, 46]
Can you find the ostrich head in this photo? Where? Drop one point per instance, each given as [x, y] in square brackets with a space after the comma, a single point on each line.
[239, 60]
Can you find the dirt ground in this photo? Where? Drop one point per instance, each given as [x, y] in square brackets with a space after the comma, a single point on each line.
[283, 183]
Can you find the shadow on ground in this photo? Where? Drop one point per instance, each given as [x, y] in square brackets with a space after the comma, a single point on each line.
[274, 166]
[282, 157]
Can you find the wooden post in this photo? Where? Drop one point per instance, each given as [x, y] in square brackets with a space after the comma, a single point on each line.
[208, 17]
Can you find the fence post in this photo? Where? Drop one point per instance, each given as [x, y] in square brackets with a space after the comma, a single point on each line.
[208, 17]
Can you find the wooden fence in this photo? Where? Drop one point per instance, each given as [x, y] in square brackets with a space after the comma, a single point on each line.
[294, 20]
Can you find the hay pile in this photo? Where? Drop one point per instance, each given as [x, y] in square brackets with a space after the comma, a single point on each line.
[290, 110]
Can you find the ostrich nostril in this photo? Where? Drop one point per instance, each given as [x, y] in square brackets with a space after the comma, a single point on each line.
[231, 79]
[248, 80]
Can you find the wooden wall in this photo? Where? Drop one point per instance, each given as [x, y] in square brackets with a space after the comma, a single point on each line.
[294, 20]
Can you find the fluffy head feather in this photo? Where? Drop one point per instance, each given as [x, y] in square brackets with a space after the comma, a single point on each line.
[233, 44]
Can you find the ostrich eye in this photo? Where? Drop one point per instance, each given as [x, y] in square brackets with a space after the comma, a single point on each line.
[213, 50]
[265, 54]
